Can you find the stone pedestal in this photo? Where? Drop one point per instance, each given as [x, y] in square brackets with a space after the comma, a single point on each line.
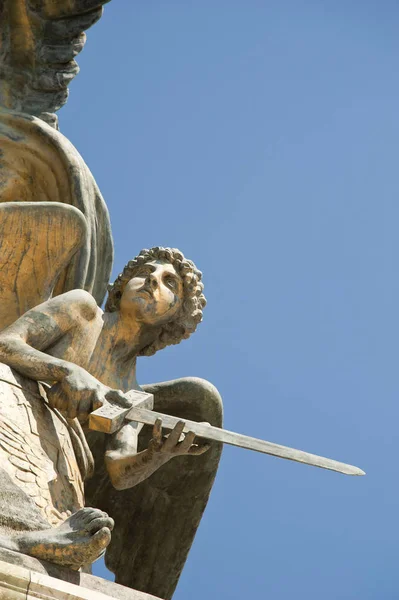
[25, 578]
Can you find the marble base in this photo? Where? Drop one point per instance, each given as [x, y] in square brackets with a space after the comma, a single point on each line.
[25, 578]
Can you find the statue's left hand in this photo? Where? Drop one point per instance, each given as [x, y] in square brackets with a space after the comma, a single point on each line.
[127, 468]
[176, 443]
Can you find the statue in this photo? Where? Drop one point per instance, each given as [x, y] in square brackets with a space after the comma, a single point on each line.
[39, 40]
[64, 488]
[89, 356]
[49, 200]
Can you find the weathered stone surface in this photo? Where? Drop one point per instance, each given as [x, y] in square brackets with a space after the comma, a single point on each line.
[39, 42]
[89, 357]
[14, 582]
[21, 571]
[42, 469]
[149, 548]
[39, 165]
[37, 453]
[34, 263]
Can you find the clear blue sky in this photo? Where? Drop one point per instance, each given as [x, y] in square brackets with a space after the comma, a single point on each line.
[262, 138]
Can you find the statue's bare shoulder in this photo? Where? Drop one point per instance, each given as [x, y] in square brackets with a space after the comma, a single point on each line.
[75, 304]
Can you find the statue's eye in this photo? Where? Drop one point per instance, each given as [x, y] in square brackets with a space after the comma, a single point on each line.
[171, 283]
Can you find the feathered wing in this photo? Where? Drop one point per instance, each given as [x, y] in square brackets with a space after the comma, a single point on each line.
[156, 521]
[39, 42]
[37, 453]
[37, 242]
[39, 165]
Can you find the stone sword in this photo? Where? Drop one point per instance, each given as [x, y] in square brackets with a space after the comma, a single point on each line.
[110, 417]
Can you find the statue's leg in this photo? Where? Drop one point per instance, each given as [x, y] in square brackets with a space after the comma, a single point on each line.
[189, 397]
[155, 522]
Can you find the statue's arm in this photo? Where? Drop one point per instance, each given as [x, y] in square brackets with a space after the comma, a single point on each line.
[23, 344]
[127, 467]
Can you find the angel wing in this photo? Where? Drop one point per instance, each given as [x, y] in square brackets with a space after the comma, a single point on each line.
[38, 164]
[37, 452]
[39, 41]
[156, 521]
[37, 242]
[26, 466]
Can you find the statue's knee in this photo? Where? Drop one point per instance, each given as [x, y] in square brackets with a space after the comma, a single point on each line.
[207, 398]
[189, 397]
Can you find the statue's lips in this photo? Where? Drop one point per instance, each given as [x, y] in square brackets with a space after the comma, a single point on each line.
[146, 291]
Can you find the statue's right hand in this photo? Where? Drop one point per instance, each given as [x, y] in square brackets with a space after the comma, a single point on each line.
[78, 394]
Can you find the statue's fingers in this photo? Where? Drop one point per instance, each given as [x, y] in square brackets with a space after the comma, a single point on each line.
[54, 396]
[97, 400]
[118, 397]
[72, 410]
[174, 437]
[157, 430]
[185, 445]
[154, 446]
[61, 403]
[198, 450]
[83, 417]
[55, 400]
[80, 409]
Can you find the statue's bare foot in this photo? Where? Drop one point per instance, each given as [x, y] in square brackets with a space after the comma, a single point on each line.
[79, 541]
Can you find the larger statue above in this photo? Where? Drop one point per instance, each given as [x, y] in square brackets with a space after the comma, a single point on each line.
[39, 42]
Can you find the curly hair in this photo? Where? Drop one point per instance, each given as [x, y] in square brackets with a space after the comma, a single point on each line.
[185, 322]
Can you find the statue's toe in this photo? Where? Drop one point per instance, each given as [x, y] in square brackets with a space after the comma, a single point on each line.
[99, 522]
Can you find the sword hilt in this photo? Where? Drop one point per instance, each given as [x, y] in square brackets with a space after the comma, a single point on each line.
[110, 416]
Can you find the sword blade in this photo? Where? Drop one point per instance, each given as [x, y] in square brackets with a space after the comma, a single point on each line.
[208, 432]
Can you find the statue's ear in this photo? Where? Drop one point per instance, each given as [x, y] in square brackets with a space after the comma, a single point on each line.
[37, 243]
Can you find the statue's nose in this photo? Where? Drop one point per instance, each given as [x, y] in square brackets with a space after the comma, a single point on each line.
[152, 280]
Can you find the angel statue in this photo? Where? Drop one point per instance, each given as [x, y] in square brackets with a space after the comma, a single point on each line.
[69, 492]
[63, 489]
[88, 356]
